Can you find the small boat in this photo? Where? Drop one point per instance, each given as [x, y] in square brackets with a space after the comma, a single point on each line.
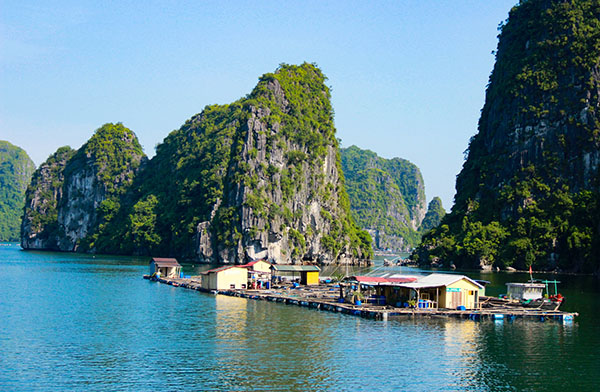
[533, 294]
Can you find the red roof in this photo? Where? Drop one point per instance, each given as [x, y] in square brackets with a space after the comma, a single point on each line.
[379, 279]
[250, 264]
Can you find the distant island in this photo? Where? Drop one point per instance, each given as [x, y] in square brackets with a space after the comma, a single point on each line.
[16, 169]
[387, 198]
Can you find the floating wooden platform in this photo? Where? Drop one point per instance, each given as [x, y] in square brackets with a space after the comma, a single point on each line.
[325, 297]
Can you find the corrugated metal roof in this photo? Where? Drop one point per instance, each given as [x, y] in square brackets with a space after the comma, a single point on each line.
[295, 268]
[438, 280]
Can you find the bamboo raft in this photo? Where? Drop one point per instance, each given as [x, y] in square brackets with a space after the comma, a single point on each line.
[326, 297]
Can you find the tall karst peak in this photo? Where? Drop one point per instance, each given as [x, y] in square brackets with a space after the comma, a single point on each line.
[528, 193]
[257, 178]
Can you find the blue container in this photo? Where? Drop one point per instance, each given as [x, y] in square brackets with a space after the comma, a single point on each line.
[341, 300]
[358, 302]
[461, 308]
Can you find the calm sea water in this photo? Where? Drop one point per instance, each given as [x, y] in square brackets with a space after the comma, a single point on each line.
[78, 322]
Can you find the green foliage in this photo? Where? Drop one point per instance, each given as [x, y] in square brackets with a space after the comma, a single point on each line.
[16, 169]
[143, 224]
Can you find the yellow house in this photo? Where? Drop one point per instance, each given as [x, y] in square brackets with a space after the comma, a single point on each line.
[447, 291]
[225, 278]
[309, 274]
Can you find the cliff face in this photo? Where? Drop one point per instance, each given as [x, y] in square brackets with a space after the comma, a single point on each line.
[387, 197]
[259, 178]
[528, 191]
[75, 194]
[39, 227]
[16, 169]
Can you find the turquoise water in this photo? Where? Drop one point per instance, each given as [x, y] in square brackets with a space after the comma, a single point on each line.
[79, 322]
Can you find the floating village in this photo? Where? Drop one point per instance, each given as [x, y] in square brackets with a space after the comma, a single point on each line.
[377, 297]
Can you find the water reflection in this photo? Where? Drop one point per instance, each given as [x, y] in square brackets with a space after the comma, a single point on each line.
[88, 324]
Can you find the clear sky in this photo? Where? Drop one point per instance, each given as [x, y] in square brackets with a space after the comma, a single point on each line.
[408, 77]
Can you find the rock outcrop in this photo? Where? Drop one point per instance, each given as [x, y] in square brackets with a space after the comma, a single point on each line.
[16, 169]
[528, 193]
[387, 197]
[39, 227]
[74, 194]
[258, 178]
[434, 215]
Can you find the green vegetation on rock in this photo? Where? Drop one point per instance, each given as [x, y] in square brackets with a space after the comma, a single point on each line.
[40, 228]
[434, 215]
[258, 178]
[75, 196]
[529, 191]
[16, 169]
[386, 196]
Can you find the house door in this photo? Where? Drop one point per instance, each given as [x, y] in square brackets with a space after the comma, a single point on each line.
[455, 299]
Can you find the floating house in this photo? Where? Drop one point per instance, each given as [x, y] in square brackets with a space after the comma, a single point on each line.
[259, 274]
[165, 267]
[447, 291]
[432, 291]
[225, 278]
[309, 274]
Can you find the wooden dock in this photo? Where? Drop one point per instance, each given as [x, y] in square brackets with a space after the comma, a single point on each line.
[326, 297]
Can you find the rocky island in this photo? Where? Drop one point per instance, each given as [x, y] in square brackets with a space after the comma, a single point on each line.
[529, 191]
[258, 178]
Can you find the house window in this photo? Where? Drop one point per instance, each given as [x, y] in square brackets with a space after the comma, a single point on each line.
[232, 286]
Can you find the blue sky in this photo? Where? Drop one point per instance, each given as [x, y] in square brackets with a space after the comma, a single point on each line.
[408, 77]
